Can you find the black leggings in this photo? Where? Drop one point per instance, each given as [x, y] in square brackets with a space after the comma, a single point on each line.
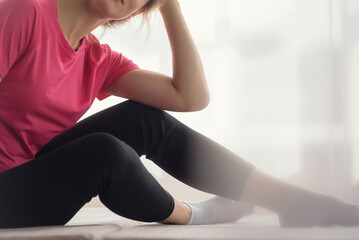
[100, 156]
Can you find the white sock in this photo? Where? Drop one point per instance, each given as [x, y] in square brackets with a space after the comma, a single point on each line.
[218, 210]
[304, 208]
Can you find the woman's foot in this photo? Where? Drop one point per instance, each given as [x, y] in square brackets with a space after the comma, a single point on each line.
[218, 210]
[304, 208]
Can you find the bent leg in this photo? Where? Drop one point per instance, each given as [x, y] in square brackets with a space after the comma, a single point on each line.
[50, 189]
[181, 151]
[171, 145]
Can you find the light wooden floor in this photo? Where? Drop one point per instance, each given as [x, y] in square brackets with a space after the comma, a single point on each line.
[100, 223]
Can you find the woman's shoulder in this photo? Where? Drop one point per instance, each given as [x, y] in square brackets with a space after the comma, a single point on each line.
[26, 15]
[19, 4]
[20, 8]
[96, 45]
[15, 14]
[100, 54]
[96, 51]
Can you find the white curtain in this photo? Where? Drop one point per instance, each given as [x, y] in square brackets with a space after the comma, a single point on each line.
[283, 77]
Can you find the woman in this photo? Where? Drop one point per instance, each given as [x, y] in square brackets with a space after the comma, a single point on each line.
[51, 71]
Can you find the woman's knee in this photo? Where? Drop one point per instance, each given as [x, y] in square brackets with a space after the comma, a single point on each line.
[105, 151]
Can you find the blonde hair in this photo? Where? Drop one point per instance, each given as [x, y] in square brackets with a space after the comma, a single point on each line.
[149, 7]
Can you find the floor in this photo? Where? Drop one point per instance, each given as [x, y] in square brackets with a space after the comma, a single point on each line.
[101, 224]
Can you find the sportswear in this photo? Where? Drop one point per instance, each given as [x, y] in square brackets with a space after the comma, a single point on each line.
[47, 86]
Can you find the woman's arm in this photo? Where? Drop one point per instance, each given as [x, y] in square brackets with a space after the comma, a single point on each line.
[187, 89]
[0, 79]
[188, 74]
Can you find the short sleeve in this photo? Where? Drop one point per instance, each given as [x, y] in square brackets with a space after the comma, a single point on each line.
[16, 25]
[118, 65]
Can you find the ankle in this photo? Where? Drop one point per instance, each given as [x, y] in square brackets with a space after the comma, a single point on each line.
[181, 214]
[188, 211]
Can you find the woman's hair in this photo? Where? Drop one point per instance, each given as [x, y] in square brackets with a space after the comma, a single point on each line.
[150, 6]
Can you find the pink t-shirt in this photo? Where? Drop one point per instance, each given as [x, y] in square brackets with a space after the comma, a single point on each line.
[47, 86]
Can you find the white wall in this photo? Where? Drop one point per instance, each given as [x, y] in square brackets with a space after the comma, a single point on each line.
[283, 81]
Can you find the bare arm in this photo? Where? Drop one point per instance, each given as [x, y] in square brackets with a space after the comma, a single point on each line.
[0, 79]
[150, 88]
[188, 74]
[187, 89]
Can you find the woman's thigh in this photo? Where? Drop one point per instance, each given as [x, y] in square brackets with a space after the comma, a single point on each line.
[140, 126]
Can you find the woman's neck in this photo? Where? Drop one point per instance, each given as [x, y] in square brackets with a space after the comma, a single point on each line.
[77, 19]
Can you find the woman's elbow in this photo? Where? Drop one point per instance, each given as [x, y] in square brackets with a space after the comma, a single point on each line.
[205, 102]
[199, 104]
